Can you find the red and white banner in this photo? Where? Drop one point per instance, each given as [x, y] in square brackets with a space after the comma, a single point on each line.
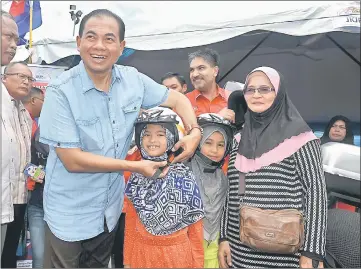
[45, 73]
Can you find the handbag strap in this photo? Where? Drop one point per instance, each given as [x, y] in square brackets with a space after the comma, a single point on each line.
[242, 184]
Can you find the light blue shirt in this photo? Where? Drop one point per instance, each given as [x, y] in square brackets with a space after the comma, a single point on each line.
[77, 115]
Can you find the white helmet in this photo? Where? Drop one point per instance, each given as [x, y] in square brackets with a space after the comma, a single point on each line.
[163, 115]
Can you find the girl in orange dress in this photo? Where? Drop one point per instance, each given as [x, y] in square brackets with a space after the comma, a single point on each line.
[163, 226]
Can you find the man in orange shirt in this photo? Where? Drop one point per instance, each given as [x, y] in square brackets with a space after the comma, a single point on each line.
[39, 154]
[33, 104]
[207, 96]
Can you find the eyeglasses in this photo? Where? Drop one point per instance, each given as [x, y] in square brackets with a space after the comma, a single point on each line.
[22, 77]
[39, 99]
[262, 90]
[339, 126]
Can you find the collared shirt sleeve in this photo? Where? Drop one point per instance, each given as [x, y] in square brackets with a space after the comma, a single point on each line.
[58, 127]
[154, 93]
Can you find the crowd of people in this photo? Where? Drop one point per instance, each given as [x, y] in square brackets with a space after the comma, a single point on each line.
[181, 196]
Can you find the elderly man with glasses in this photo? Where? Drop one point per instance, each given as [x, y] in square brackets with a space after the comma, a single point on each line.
[15, 155]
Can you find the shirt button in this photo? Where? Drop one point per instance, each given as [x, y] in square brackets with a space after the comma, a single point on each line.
[117, 145]
[109, 98]
[113, 121]
[58, 144]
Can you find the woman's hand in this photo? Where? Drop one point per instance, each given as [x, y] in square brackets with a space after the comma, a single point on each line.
[306, 262]
[126, 266]
[224, 255]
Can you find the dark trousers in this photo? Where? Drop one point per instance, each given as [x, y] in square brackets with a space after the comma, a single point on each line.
[13, 232]
[91, 253]
[118, 247]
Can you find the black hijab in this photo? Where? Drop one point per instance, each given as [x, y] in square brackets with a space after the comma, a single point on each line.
[349, 138]
[265, 131]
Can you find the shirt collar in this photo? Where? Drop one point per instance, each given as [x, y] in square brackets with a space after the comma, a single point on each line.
[221, 92]
[31, 116]
[88, 83]
[5, 94]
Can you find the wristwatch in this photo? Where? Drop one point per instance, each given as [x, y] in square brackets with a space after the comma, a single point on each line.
[194, 126]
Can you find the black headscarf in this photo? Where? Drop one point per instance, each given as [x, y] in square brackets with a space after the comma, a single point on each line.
[349, 138]
[274, 134]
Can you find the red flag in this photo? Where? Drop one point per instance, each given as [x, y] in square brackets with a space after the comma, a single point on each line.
[17, 8]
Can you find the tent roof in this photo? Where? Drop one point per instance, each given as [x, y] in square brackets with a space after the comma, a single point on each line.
[192, 23]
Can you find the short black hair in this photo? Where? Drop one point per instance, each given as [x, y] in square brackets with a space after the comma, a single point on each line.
[103, 13]
[209, 55]
[34, 91]
[12, 64]
[179, 77]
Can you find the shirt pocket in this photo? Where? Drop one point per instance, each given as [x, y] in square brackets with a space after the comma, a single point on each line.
[90, 134]
[131, 112]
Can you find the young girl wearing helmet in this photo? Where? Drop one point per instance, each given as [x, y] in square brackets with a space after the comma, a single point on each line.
[163, 220]
[206, 165]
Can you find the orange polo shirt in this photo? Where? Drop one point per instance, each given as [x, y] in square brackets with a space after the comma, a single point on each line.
[203, 105]
[31, 183]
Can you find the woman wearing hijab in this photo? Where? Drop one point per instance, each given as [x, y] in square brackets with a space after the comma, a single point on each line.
[338, 130]
[275, 165]
[206, 165]
[163, 227]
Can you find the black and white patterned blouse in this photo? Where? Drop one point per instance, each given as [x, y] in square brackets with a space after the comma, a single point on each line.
[296, 182]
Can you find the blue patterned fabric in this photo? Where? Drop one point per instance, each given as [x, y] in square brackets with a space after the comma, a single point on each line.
[166, 205]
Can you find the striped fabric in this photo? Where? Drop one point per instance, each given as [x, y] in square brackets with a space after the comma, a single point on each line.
[296, 182]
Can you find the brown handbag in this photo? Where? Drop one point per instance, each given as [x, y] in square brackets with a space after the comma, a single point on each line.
[268, 230]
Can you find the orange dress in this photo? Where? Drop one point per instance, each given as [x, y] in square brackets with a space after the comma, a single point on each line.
[182, 249]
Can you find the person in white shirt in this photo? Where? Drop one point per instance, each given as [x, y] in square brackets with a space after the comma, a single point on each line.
[9, 39]
[15, 155]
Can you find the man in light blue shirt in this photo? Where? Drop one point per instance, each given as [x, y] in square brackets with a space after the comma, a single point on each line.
[87, 120]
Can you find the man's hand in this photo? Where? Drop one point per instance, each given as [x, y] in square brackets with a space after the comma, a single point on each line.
[37, 180]
[228, 114]
[224, 255]
[306, 262]
[189, 143]
[148, 168]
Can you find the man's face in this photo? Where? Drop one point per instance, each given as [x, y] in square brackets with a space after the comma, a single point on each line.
[9, 39]
[37, 103]
[202, 74]
[18, 81]
[100, 46]
[174, 84]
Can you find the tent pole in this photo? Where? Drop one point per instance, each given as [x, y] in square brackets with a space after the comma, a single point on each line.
[343, 50]
[244, 58]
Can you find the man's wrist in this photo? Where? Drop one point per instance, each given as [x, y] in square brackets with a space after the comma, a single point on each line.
[192, 129]
[131, 166]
